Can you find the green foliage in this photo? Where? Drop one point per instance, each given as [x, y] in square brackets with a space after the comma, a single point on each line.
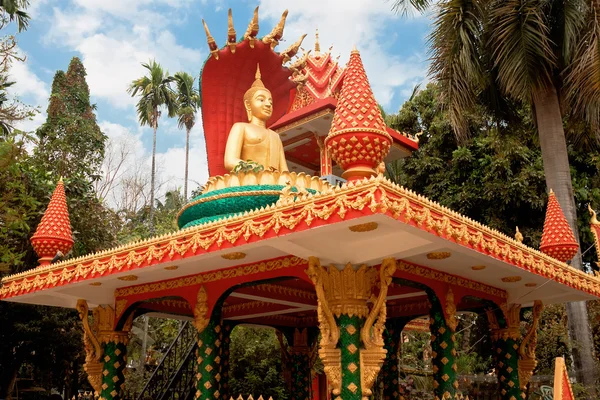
[70, 141]
[495, 178]
[255, 364]
[136, 227]
[155, 92]
[14, 11]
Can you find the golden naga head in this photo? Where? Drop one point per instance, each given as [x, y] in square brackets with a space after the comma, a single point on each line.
[258, 100]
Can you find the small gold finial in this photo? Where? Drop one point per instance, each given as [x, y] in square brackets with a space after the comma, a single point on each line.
[60, 180]
[317, 45]
[551, 191]
[212, 44]
[231, 35]
[257, 74]
[354, 49]
[252, 30]
[518, 236]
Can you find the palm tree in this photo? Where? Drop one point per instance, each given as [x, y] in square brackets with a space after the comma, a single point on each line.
[545, 53]
[155, 93]
[188, 98]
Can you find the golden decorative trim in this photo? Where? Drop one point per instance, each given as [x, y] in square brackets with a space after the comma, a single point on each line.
[478, 267]
[366, 227]
[294, 179]
[172, 267]
[284, 290]
[96, 284]
[527, 361]
[120, 306]
[243, 306]
[128, 278]
[201, 317]
[330, 355]
[531, 284]
[93, 351]
[263, 266]
[450, 311]
[361, 130]
[438, 255]
[371, 334]
[450, 279]
[369, 196]
[511, 279]
[236, 255]
[512, 316]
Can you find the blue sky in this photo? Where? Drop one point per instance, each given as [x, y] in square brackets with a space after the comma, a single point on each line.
[112, 37]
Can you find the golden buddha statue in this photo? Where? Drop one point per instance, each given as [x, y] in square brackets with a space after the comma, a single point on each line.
[252, 140]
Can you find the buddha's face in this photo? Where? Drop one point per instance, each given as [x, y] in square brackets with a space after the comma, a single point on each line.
[261, 104]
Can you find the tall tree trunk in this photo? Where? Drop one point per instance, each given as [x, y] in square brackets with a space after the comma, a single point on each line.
[187, 157]
[558, 178]
[153, 176]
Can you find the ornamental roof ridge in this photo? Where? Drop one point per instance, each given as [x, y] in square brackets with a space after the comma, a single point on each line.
[496, 244]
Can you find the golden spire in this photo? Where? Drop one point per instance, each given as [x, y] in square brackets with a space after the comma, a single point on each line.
[231, 35]
[252, 30]
[593, 218]
[354, 49]
[317, 45]
[212, 44]
[276, 34]
[257, 81]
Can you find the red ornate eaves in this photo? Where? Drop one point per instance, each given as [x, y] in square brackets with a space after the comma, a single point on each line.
[367, 197]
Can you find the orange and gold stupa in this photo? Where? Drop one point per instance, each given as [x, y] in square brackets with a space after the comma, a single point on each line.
[53, 234]
[558, 240]
[357, 140]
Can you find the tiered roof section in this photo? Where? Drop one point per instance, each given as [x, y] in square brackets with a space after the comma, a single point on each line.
[53, 235]
[558, 240]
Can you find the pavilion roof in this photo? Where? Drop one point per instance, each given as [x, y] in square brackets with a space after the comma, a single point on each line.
[407, 226]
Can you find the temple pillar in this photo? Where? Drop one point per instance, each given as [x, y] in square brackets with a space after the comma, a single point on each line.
[514, 356]
[351, 346]
[442, 324]
[208, 352]
[298, 360]
[325, 158]
[390, 372]
[106, 350]
[225, 338]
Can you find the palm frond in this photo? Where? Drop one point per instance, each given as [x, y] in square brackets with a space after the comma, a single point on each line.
[521, 48]
[404, 6]
[456, 62]
[582, 78]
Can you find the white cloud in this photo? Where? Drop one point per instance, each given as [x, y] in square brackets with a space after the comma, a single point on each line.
[346, 23]
[27, 84]
[115, 37]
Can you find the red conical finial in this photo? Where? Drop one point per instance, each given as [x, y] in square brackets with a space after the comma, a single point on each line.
[558, 240]
[357, 140]
[53, 234]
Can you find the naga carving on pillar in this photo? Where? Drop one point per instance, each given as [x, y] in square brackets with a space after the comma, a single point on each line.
[527, 361]
[330, 333]
[201, 317]
[371, 334]
[93, 350]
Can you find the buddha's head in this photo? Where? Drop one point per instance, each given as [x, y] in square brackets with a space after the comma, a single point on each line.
[258, 100]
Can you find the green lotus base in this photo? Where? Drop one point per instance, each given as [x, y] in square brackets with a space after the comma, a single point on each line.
[222, 203]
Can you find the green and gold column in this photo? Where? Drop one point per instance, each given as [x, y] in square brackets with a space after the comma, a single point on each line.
[352, 346]
[390, 372]
[298, 360]
[106, 350]
[443, 345]
[208, 352]
[505, 337]
[225, 339]
[115, 360]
